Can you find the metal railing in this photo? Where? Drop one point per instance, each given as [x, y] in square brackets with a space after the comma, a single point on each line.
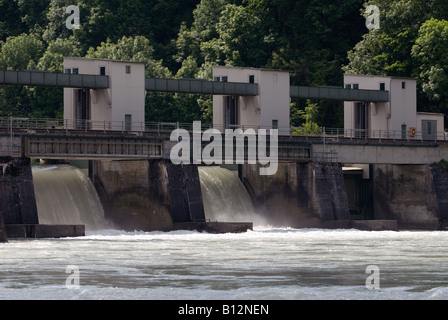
[12, 124]
[335, 134]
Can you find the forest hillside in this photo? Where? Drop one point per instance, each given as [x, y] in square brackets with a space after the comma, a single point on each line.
[316, 40]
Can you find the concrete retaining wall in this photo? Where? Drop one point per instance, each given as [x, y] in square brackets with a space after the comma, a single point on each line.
[406, 193]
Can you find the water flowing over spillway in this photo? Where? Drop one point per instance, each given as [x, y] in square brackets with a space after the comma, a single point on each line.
[224, 196]
[66, 196]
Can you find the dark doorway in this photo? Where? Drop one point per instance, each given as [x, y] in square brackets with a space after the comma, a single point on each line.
[231, 112]
[361, 119]
[82, 109]
[359, 195]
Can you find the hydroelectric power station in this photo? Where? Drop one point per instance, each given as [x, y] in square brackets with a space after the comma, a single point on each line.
[381, 172]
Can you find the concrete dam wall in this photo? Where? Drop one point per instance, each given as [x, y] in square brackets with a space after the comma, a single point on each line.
[157, 195]
[414, 195]
[301, 195]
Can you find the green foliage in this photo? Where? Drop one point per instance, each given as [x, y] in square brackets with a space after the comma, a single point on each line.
[21, 52]
[316, 40]
[307, 119]
[409, 43]
[53, 58]
[443, 164]
[432, 57]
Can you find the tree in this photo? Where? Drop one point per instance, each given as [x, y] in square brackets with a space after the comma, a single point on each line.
[53, 58]
[21, 52]
[306, 119]
[10, 25]
[432, 58]
[18, 53]
[33, 14]
[244, 39]
[388, 51]
[206, 17]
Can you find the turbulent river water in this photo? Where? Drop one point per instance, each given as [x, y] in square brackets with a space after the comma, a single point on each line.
[264, 264]
[267, 263]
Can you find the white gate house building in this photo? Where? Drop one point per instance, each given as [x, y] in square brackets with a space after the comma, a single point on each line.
[120, 107]
[397, 118]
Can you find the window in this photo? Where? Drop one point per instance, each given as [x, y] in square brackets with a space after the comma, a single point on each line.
[274, 124]
[224, 79]
[356, 86]
[251, 78]
[217, 79]
[128, 69]
[348, 86]
[403, 85]
[75, 71]
[128, 122]
[68, 71]
[382, 86]
[102, 71]
[404, 129]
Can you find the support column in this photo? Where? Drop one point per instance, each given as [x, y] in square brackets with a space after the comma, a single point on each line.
[330, 192]
[17, 201]
[439, 176]
[3, 235]
[184, 193]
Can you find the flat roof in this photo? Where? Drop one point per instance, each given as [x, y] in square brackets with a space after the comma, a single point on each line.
[99, 59]
[250, 68]
[431, 113]
[378, 76]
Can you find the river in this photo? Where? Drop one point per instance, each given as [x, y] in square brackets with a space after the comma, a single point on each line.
[264, 264]
[268, 263]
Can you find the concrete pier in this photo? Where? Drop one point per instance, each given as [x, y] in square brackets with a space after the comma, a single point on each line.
[212, 227]
[18, 202]
[300, 195]
[18, 209]
[3, 234]
[148, 195]
[39, 231]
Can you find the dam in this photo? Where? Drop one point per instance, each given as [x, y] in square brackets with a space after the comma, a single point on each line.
[155, 194]
[368, 175]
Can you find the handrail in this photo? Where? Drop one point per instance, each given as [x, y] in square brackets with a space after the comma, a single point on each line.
[326, 134]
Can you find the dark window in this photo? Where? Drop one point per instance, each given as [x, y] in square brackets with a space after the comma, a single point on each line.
[382, 86]
[403, 85]
[404, 129]
[102, 71]
[251, 78]
[217, 79]
[68, 71]
[128, 122]
[274, 124]
[348, 86]
[128, 69]
[225, 79]
[75, 71]
[356, 86]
